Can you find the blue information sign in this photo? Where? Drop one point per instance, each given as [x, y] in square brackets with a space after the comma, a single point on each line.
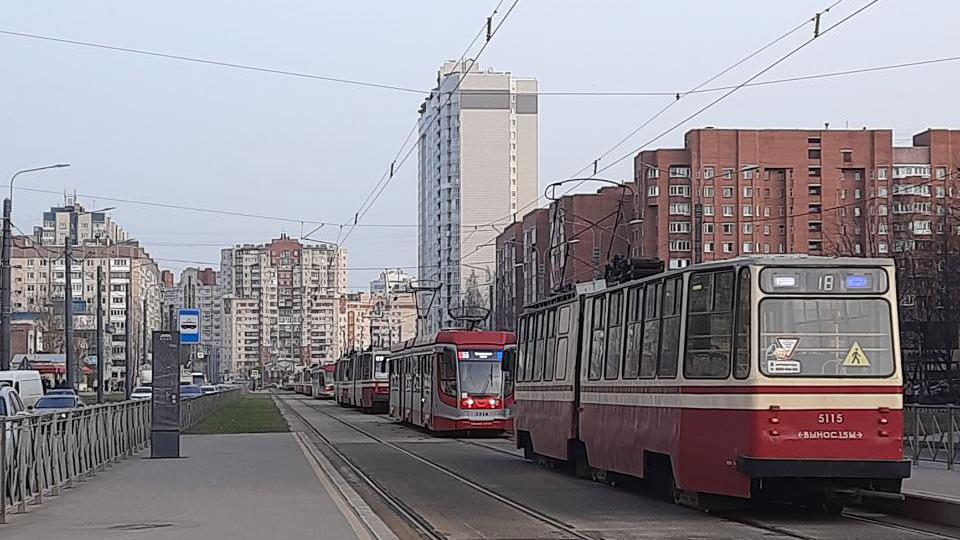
[189, 326]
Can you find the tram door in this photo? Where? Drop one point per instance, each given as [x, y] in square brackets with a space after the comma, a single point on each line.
[426, 403]
[395, 392]
[408, 388]
[416, 401]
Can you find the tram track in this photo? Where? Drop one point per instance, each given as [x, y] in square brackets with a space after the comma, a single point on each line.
[421, 524]
[516, 505]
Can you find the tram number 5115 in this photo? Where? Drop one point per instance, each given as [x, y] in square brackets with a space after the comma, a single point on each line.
[830, 418]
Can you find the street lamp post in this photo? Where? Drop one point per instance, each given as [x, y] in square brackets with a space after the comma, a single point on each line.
[6, 309]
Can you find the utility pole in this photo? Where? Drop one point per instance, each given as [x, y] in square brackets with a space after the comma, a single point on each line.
[99, 333]
[143, 335]
[5, 305]
[68, 316]
[127, 356]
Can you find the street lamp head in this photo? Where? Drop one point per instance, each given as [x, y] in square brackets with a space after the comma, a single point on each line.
[636, 221]
[59, 165]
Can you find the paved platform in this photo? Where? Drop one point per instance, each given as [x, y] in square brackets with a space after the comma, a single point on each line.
[226, 487]
[934, 480]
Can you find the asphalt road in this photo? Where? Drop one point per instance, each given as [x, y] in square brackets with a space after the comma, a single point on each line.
[483, 489]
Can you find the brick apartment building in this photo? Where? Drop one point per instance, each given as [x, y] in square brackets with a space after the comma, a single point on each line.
[820, 192]
[731, 192]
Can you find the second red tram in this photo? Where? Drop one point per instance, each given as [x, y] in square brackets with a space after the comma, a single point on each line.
[361, 381]
[322, 380]
[454, 381]
[765, 376]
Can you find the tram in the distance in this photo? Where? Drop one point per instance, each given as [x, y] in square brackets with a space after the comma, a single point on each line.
[361, 380]
[762, 376]
[322, 380]
[453, 380]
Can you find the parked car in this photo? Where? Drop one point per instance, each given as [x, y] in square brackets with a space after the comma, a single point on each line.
[209, 389]
[141, 392]
[11, 406]
[61, 403]
[61, 392]
[26, 383]
[190, 391]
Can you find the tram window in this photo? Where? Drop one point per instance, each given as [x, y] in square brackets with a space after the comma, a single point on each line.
[562, 351]
[634, 334]
[565, 320]
[531, 347]
[448, 372]
[709, 326]
[611, 369]
[597, 341]
[541, 349]
[651, 330]
[550, 356]
[741, 354]
[562, 340]
[670, 340]
[521, 349]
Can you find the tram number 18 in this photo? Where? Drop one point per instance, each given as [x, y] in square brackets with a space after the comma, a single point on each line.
[830, 418]
[825, 283]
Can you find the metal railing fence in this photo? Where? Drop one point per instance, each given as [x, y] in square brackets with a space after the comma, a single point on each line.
[40, 454]
[931, 433]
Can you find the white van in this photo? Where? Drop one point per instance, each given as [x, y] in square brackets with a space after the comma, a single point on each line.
[26, 383]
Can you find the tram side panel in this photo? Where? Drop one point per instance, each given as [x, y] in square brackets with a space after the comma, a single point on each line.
[546, 411]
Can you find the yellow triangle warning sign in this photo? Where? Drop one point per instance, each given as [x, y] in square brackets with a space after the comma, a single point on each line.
[856, 357]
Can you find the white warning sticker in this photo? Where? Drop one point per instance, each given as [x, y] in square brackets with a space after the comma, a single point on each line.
[786, 346]
[781, 367]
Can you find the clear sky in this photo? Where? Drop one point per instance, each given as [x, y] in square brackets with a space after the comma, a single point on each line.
[138, 127]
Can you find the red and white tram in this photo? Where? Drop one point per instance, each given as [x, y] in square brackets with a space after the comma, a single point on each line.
[454, 381]
[322, 380]
[361, 381]
[770, 376]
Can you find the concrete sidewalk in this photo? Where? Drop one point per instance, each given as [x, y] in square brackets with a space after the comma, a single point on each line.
[933, 480]
[257, 486]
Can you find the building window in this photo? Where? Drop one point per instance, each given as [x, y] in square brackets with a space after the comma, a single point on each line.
[813, 141]
[941, 173]
[679, 245]
[708, 172]
[679, 172]
[728, 174]
[747, 192]
[941, 193]
[728, 228]
[653, 173]
[882, 247]
[856, 193]
[847, 156]
[679, 226]
[679, 209]
[882, 173]
[708, 228]
[708, 191]
[653, 191]
[766, 248]
[813, 153]
[728, 247]
[708, 209]
[747, 210]
[748, 172]
[728, 211]
[747, 247]
[708, 247]
[748, 228]
[727, 192]
[881, 191]
[813, 172]
[679, 191]
[766, 230]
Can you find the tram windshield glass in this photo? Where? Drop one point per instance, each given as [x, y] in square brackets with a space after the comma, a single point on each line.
[820, 337]
[480, 373]
[380, 366]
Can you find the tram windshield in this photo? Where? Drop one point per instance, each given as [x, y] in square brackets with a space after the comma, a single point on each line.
[380, 366]
[820, 337]
[480, 373]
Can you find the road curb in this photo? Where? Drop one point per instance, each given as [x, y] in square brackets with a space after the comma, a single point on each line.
[921, 507]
